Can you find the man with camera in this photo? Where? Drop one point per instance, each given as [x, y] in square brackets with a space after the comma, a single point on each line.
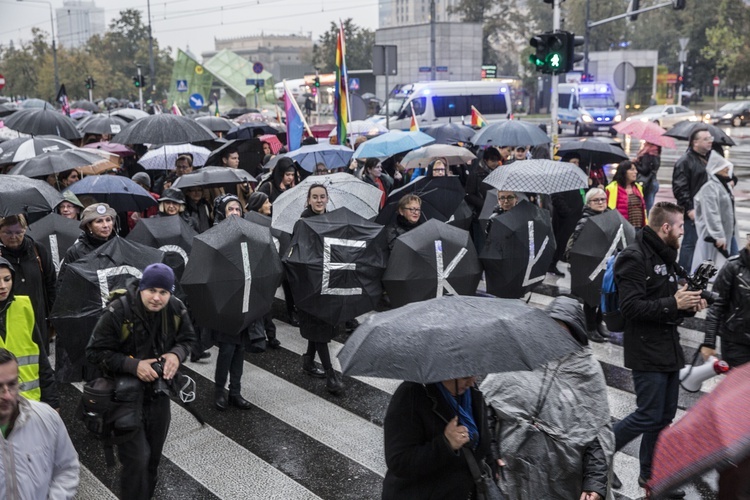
[145, 333]
[653, 304]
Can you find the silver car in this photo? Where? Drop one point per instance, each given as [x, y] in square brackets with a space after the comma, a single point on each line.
[666, 115]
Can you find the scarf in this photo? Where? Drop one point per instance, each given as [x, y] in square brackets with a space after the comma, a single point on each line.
[463, 410]
[667, 253]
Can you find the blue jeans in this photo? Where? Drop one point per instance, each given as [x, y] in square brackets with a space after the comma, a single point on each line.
[687, 247]
[656, 398]
[649, 194]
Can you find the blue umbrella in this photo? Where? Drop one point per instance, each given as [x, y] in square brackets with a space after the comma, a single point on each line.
[392, 143]
[333, 156]
[119, 192]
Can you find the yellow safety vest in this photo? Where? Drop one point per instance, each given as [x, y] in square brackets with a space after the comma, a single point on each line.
[19, 325]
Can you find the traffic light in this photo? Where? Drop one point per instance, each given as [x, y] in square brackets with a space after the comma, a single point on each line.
[634, 5]
[687, 76]
[316, 81]
[90, 83]
[555, 52]
[572, 41]
[143, 81]
[137, 81]
[678, 4]
[257, 87]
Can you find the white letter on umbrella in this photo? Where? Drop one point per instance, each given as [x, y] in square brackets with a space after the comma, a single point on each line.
[533, 257]
[329, 266]
[103, 274]
[248, 277]
[620, 236]
[55, 252]
[442, 274]
[175, 249]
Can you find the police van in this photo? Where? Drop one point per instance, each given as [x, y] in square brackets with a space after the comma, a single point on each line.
[587, 108]
[437, 102]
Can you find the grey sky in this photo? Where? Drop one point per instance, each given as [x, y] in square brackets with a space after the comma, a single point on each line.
[195, 23]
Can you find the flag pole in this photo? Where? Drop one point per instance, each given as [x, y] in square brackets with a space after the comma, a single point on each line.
[346, 82]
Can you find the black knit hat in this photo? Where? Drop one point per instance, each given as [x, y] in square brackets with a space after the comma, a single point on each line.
[220, 205]
[256, 201]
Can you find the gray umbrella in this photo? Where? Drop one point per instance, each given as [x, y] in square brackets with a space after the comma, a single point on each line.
[102, 124]
[163, 129]
[213, 176]
[216, 123]
[45, 121]
[344, 190]
[510, 133]
[22, 195]
[538, 176]
[453, 337]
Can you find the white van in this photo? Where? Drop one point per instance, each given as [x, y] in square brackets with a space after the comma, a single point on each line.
[438, 102]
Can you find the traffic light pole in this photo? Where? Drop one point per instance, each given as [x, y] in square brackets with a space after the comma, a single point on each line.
[91, 92]
[140, 88]
[553, 102]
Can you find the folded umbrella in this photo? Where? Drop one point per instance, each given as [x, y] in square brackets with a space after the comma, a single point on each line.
[645, 131]
[429, 261]
[392, 143]
[23, 148]
[344, 190]
[335, 264]
[171, 234]
[421, 158]
[538, 176]
[518, 250]
[119, 192]
[54, 162]
[453, 337]
[450, 133]
[213, 176]
[163, 129]
[510, 133]
[593, 152]
[22, 195]
[684, 129]
[333, 156]
[232, 275]
[164, 157]
[600, 237]
[55, 233]
[44, 121]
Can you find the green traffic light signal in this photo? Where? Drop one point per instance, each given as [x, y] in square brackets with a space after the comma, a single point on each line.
[136, 82]
[554, 61]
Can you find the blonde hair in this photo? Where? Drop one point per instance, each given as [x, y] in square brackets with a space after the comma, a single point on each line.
[12, 220]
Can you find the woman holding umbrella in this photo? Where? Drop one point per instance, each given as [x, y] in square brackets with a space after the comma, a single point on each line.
[596, 203]
[97, 227]
[317, 332]
[172, 203]
[625, 195]
[409, 216]
[648, 162]
[197, 208]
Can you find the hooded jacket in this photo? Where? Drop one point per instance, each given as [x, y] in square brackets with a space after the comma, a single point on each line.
[271, 188]
[729, 316]
[38, 457]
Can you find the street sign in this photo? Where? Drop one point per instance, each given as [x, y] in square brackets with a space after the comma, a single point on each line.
[354, 83]
[199, 70]
[489, 70]
[253, 81]
[182, 86]
[424, 69]
[716, 81]
[2, 82]
[257, 68]
[384, 60]
[197, 101]
[624, 76]
[442, 69]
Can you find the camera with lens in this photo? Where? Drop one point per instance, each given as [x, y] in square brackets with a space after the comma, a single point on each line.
[699, 281]
[160, 385]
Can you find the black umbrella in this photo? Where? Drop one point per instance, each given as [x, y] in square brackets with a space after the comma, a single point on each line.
[450, 133]
[518, 250]
[235, 112]
[593, 152]
[22, 195]
[442, 199]
[684, 129]
[23, 148]
[216, 123]
[250, 150]
[490, 202]
[87, 105]
[429, 261]
[335, 264]
[56, 233]
[510, 133]
[281, 239]
[453, 337]
[102, 124]
[119, 192]
[43, 121]
[55, 162]
[250, 130]
[7, 109]
[213, 176]
[232, 275]
[87, 284]
[163, 129]
[600, 237]
[172, 235]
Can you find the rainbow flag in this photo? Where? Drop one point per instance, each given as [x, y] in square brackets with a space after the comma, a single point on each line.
[413, 125]
[477, 120]
[295, 124]
[340, 96]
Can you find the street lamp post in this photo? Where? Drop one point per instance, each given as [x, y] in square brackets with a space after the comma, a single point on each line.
[54, 44]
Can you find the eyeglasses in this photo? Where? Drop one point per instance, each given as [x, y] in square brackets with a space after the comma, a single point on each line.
[413, 210]
[598, 200]
[506, 198]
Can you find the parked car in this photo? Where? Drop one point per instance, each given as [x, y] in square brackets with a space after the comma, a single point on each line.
[736, 114]
[665, 115]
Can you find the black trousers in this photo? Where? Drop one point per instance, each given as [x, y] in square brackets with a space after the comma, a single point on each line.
[141, 455]
[230, 361]
[593, 316]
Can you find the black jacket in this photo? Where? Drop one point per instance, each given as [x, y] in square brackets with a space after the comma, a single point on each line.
[476, 190]
[587, 212]
[421, 463]
[116, 347]
[688, 176]
[729, 315]
[646, 283]
[200, 213]
[401, 226]
[648, 167]
[85, 244]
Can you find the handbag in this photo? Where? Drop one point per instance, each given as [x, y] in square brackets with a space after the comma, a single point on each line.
[486, 487]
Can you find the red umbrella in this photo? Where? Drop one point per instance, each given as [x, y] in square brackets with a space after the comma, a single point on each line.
[715, 432]
[647, 131]
[272, 141]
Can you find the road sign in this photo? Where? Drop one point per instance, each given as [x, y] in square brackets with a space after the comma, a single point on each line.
[354, 83]
[424, 69]
[716, 81]
[2, 82]
[489, 70]
[253, 81]
[197, 101]
[257, 68]
[199, 70]
[442, 69]
[182, 86]
[624, 76]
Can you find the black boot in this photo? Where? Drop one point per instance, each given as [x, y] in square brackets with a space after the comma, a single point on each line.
[333, 382]
[594, 336]
[308, 366]
[602, 331]
[220, 399]
[240, 402]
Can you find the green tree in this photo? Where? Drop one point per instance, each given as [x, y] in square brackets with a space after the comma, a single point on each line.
[727, 43]
[359, 42]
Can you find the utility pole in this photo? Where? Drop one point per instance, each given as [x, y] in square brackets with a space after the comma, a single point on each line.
[587, 34]
[151, 73]
[140, 88]
[432, 41]
[553, 102]
[683, 59]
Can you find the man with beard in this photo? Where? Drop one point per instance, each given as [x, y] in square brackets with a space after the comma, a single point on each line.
[653, 305]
